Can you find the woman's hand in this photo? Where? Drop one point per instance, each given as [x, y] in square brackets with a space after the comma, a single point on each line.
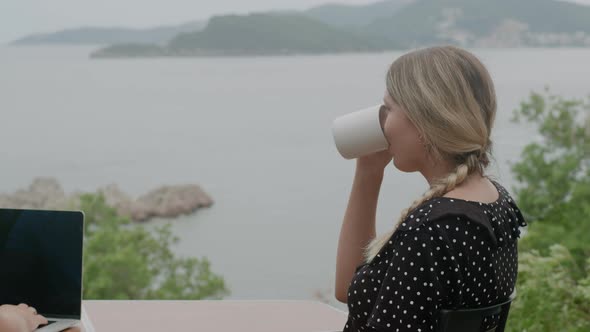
[19, 318]
[374, 162]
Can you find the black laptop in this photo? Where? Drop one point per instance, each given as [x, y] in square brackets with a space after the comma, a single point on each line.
[41, 263]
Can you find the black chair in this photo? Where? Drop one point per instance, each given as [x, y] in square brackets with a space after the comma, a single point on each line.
[470, 320]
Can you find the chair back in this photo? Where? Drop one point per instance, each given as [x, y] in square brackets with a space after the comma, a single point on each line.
[470, 320]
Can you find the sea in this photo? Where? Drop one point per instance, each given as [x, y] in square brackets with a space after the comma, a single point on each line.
[253, 132]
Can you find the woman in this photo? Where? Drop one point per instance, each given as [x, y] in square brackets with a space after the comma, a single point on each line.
[454, 247]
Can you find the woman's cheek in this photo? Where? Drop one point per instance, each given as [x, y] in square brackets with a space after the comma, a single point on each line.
[390, 136]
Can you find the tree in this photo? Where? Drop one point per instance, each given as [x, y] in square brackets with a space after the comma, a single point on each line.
[124, 261]
[553, 285]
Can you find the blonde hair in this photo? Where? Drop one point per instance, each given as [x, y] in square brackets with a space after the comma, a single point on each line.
[449, 96]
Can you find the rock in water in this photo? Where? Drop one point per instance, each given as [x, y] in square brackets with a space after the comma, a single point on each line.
[171, 201]
[165, 202]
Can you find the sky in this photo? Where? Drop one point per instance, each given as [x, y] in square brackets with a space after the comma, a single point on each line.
[23, 17]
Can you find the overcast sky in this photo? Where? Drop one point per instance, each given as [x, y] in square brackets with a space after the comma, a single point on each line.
[23, 17]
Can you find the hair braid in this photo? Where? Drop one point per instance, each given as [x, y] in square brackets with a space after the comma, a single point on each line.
[437, 189]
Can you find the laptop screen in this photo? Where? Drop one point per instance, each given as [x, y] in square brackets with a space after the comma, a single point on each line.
[41, 260]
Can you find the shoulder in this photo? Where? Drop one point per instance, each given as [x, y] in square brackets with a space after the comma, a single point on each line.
[439, 209]
[501, 218]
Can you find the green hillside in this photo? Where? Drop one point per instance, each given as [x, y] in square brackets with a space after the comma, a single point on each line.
[340, 15]
[269, 34]
[130, 50]
[467, 21]
[394, 25]
[104, 35]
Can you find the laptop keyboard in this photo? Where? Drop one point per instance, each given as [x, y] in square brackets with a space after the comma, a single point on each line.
[49, 322]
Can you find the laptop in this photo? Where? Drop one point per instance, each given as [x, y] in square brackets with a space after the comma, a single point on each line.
[41, 263]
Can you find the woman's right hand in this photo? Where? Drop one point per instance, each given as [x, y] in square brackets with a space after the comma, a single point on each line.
[19, 318]
[374, 162]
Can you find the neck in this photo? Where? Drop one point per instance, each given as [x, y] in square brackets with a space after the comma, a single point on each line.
[443, 169]
[436, 170]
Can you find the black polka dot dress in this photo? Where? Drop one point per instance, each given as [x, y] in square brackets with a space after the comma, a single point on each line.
[448, 253]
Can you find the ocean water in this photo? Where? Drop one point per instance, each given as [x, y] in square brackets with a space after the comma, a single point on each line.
[254, 132]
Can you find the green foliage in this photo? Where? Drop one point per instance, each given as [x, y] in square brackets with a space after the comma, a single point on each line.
[553, 286]
[124, 261]
[555, 172]
[549, 298]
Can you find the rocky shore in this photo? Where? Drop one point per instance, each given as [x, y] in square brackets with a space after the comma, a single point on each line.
[165, 201]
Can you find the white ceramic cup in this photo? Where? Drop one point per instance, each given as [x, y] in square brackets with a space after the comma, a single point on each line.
[360, 133]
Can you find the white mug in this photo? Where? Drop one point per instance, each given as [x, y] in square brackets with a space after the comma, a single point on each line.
[360, 133]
